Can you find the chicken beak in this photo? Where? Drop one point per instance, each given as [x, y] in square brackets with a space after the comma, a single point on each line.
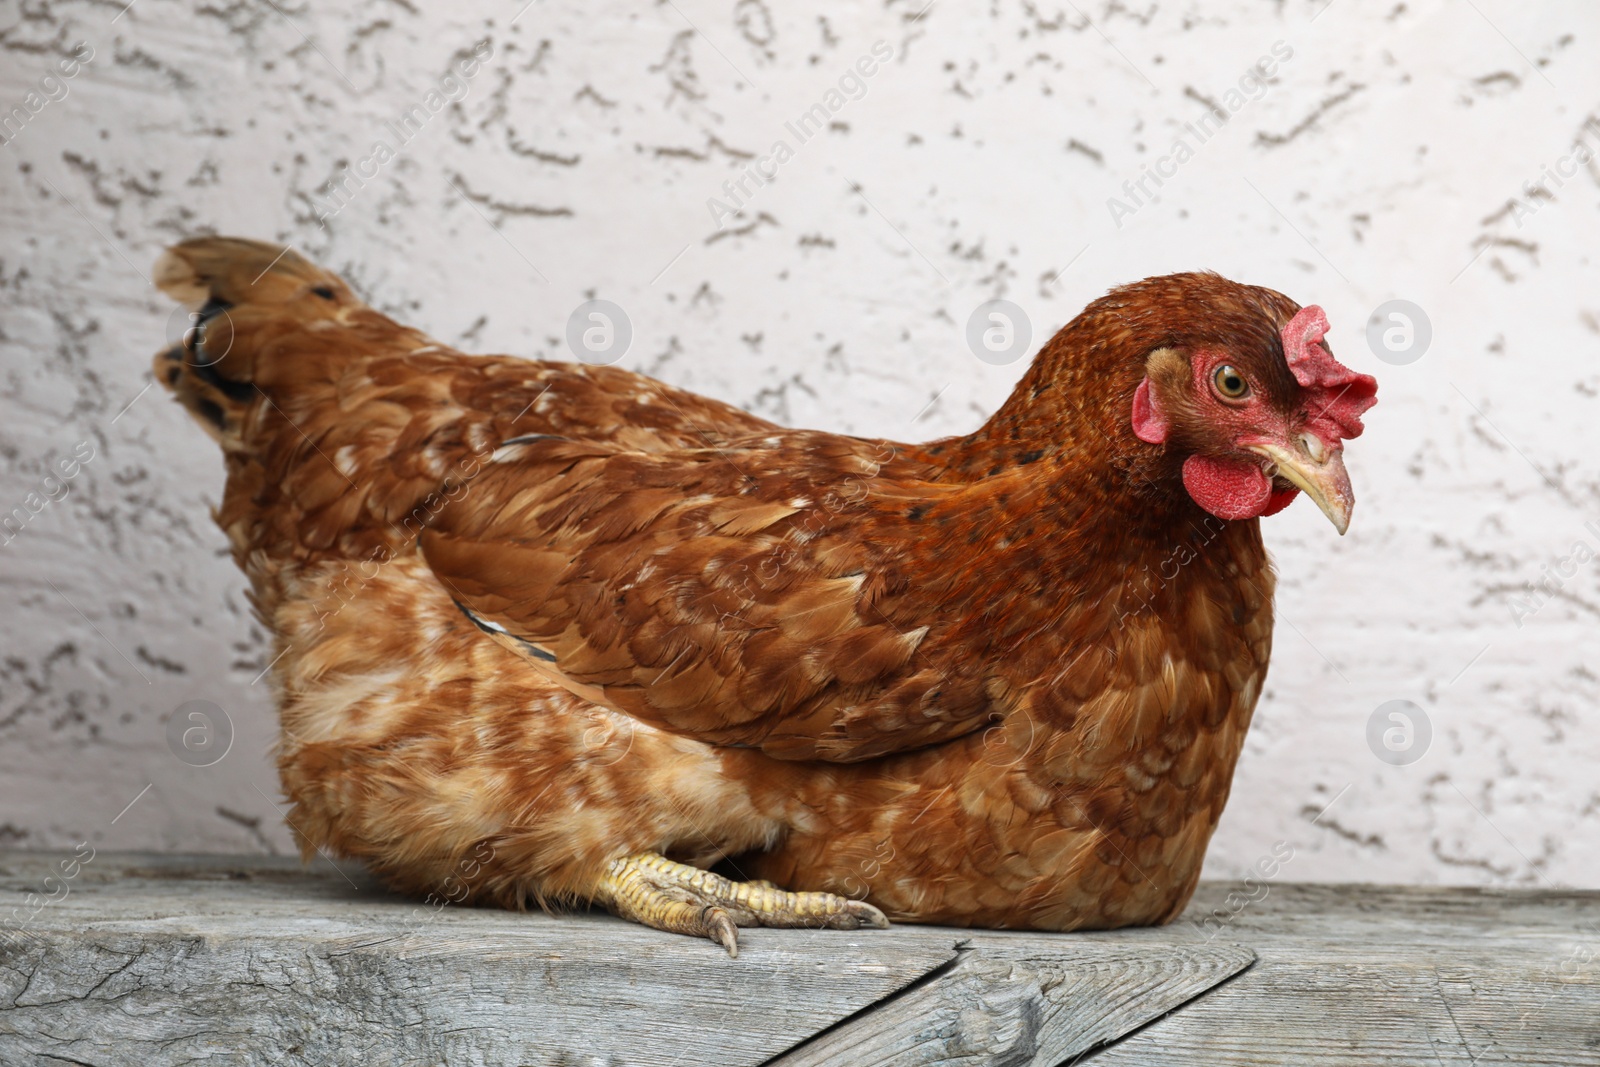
[1316, 470]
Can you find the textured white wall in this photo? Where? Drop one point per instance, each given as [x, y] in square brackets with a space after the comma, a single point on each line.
[1385, 159]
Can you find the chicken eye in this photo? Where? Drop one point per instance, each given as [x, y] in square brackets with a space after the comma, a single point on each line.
[1229, 383]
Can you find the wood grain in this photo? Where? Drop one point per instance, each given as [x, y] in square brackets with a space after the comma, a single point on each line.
[171, 960]
[1357, 974]
[1030, 1002]
[254, 960]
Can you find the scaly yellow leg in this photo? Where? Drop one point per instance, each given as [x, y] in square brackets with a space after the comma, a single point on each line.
[648, 888]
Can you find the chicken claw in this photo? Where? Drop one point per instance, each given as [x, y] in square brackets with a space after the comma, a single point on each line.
[650, 889]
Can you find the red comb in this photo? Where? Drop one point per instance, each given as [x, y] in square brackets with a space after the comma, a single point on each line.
[1338, 395]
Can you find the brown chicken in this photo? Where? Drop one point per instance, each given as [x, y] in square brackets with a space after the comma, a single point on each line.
[560, 633]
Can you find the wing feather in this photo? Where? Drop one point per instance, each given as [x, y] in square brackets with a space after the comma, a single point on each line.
[732, 594]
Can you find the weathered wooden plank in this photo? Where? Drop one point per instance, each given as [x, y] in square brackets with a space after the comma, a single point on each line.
[158, 960]
[1002, 1004]
[178, 960]
[1356, 975]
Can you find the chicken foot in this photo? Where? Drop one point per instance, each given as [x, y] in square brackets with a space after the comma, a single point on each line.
[648, 888]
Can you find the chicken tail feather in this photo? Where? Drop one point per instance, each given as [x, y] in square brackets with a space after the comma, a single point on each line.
[239, 295]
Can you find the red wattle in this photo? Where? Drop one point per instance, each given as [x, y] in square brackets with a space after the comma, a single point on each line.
[1281, 498]
[1228, 488]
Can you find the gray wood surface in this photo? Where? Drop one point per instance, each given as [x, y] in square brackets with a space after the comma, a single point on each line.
[247, 960]
[1359, 975]
[1025, 1002]
[175, 960]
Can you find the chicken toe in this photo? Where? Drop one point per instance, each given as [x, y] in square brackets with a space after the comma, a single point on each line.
[650, 889]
